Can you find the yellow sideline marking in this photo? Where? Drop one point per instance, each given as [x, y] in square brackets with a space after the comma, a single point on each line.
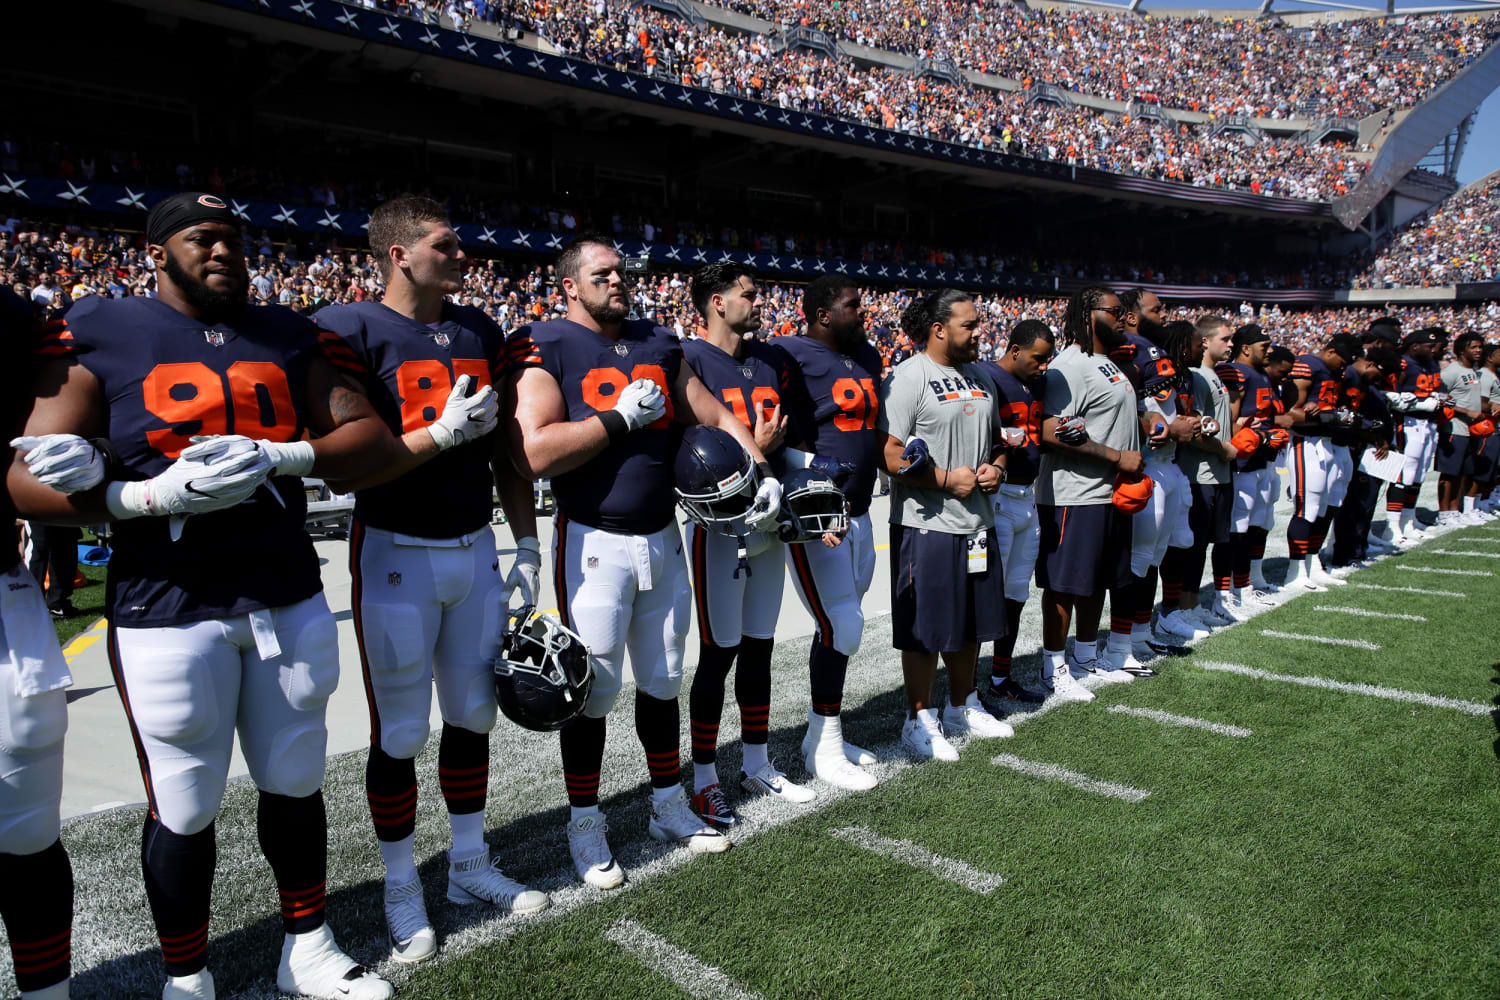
[84, 640]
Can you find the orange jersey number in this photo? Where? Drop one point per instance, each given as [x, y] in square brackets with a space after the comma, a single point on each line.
[194, 399]
[1027, 416]
[763, 399]
[601, 389]
[424, 387]
[858, 401]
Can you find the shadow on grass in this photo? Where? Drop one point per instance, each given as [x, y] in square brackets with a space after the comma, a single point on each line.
[1495, 715]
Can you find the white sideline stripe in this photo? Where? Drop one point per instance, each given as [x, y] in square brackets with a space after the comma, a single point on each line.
[671, 962]
[1466, 555]
[1370, 614]
[1410, 590]
[904, 851]
[1052, 772]
[1445, 572]
[1390, 694]
[1168, 719]
[1325, 640]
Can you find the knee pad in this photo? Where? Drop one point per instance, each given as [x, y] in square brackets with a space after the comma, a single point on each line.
[848, 620]
[477, 708]
[186, 798]
[601, 698]
[395, 645]
[404, 738]
[30, 798]
[32, 726]
[295, 768]
[31, 829]
[315, 664]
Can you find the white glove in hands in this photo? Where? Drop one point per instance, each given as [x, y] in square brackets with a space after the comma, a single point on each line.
[465, 418]
[289, 458]
[191, 485]
[525, 573]
[640, 403]
[767, 504]
[1013, 437]
[65, 462]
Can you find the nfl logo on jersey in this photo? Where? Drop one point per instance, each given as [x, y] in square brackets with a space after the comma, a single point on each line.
[622, 349]
[214, 337]
[394, 579]
[441, 338]
[748, 372]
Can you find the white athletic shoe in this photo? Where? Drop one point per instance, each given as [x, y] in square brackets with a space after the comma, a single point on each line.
[1260, 583]
[1225, 606]
[1256, 601]
[769, 781]
[1114, 668]
[592, 859]
[1377, 545]
[926, 740]
[858, 755]
[1065, 688]
[826, 755]
[674, 820]
[973, 719]
[1178, 625]
[478, 880]
[313, 966]
[1448, 518]
[1324, 578]
[57, 991]
[1216, 614]
[1299, 578]
[412, 936]
[198, 986]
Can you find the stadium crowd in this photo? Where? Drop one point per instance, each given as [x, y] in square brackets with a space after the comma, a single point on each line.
[1458, 240]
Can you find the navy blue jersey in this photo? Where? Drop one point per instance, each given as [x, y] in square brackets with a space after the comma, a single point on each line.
[1326, 387]
[408, 370]
[165, 377]
[1018, 406]
[749, 386]
[21, 331]
[1258, 401]
[834, 399]
[1352, 392]
[1420, 378]
[627, 488]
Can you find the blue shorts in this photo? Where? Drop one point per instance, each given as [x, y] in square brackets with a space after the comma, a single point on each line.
[937, 605]
[1455, 454]
[1487, 459]
[1085, 550]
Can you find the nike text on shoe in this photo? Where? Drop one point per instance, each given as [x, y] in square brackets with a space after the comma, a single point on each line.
[769, 781]
[412, 936]
[673, 820]
[973, 719]
[313, 966]
[927, 741]
[714, 809]
[592, 859]
[478, 880]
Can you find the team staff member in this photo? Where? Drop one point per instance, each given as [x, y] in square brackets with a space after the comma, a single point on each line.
[36, 880]
[833, 399]
[1488, 464]
[1457, 449]
[1091, 431]
[1017, 376]
[598, 410]
[225, 630]
[737, 606]
[428, 606]
[947, 582]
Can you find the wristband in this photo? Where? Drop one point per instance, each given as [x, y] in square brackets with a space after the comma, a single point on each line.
[764, 470]
[615, 426]
[295, 458]
[127, 500]
[529, 544]
[113, 466]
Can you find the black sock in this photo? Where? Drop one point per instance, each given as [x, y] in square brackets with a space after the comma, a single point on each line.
[1005, 646]
[752, 688]
[582, 744]
[36, 903]
[1258, 538]
[826, 668]
[179, 871]
[294, 836]
[1299, 538]
[657, 725]
[464, 769]
[706, 699]
[391, 790]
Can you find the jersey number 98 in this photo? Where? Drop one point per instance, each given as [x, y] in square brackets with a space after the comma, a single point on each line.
[601, 389]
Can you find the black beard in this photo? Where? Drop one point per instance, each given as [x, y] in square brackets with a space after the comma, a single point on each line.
[1150, 329]
[1108, 336]
[848, 338]
[606, 314]
[213, 305]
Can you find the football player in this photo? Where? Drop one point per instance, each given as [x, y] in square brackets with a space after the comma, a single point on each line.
[597, 409]
[737, 605]
[1320, 468]
[1251, 396]
[1421, 413]
[217, 624]
[1370, 428]
[1457, 448]
[833, 400]
[36, 880]
[429, 607]
[1017, 377]
[1279, 361]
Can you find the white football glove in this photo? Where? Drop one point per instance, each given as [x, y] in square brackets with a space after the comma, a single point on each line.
[1013, 437]
[1071, 430]
[191, 486]
[64, 462]
[525, 573]
[1209, 427]
[640, 403]
[289, 458]
[1400, 402]
[465, 418]
[767, 504]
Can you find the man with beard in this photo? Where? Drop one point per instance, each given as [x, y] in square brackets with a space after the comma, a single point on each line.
[1457, 448]
[833, 400]
[599, 409]
[737, 602]
[1091, 429]
[1487, 467]
[947, 582]
[1370, 428]
[1420, 413]
[217, 621]
[1252, 398]
[1319, 467]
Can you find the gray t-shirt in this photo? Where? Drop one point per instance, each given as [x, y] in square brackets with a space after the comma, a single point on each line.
[1211, 399]
[1466, 386]
[953, 410]
[1490, 386]
[1092, 387]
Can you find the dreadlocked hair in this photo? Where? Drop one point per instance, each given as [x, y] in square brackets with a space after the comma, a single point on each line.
[1078, 321]
[1177, 344]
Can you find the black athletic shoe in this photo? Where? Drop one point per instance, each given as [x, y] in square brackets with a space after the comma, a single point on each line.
[64, 609]
[1009, 690]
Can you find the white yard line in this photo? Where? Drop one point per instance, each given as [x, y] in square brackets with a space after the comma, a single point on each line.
[1052, 772]
[1445, 572]
[908, 853]
[696, 978]
[1466, 555]
[1371, 690]
[1409, 590]
[1370, 614]
[1322, 639]
[1186, 721]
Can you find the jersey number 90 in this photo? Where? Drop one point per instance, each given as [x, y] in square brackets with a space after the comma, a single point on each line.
[250, 398]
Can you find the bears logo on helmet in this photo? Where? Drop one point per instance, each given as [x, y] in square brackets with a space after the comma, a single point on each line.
[1482, 428]
[715, 479]
[544, 674]
[1132, 493]
[811, 506]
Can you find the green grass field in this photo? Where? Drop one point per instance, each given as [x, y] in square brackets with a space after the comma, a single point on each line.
[1343, 848]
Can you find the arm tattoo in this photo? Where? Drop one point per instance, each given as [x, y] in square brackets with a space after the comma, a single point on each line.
[345, 405]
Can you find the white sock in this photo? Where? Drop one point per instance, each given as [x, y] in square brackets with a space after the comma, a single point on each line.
[400, 866]
[1469, 503]
[1310, 565]
[1257, 569]
[1140, 631]
[1236, 594]
[578, 812]
[660, 795]
[1052, 662]
[468, 835]
[1119, 643]
[1085, 652]
[704, 775]
[928, 717]
[1220, 595]
[755, 757]
[1393, 520]
[1408, 515]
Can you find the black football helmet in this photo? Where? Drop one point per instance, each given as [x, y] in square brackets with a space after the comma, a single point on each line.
[716, 479]
[544, 674]
[811, 506]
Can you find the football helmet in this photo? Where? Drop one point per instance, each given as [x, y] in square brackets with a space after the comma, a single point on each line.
[544, 674]
[811, 506]
[715, 480]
